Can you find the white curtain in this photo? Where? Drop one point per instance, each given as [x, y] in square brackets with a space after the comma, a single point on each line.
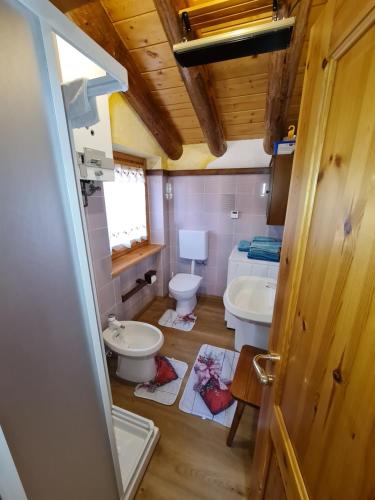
[125, 201]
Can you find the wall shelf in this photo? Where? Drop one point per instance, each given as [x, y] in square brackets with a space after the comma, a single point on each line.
[132, 258]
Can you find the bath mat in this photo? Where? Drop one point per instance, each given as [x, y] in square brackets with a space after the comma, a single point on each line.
[167, 383]
[172, 320]
[207, 392]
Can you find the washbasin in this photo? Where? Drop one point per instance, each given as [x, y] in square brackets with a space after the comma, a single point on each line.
[251, 298]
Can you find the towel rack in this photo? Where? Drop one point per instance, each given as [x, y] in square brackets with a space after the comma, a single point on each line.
[104, 85]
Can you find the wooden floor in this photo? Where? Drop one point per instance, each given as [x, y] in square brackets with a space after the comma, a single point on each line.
[191, 460]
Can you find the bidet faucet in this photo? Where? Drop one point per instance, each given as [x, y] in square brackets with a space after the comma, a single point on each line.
[115, 325]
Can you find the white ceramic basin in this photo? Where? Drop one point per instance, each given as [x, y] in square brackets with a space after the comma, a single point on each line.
[135, 340]
[136, 344]
[251, 298]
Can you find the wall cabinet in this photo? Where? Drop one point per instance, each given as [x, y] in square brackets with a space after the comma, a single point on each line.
[281, 169]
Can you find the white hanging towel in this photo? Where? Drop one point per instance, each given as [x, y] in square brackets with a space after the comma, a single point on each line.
[81, 109]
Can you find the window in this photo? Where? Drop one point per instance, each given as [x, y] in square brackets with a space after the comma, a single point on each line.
[126, 205]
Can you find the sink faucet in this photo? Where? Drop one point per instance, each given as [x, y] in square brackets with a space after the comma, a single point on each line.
[270, 285]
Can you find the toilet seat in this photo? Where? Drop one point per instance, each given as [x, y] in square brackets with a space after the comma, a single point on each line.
[182, 282]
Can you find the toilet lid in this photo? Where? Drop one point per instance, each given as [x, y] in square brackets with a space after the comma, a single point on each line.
[181, 282]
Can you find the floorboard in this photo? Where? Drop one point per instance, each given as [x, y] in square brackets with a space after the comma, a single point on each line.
[191, 460]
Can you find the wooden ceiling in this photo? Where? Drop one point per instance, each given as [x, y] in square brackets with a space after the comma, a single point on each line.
[240, 85]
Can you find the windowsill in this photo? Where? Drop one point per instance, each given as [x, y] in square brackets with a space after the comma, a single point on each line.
[132, 258]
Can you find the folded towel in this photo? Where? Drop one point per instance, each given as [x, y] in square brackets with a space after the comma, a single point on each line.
[265, 238]
[266, 244]
[244, 246]
[265, 248]
[258, 254]
[81, 109]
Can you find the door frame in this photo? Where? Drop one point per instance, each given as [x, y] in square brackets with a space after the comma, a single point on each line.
[271, 426]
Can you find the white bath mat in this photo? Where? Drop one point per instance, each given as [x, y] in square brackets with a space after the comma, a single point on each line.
[208, 385]
[172, 320]
[167, 393]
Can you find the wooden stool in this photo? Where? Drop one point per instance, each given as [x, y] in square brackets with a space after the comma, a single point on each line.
[245, 387]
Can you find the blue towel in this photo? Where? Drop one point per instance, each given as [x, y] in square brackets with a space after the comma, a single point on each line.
[258, 254]
[266, 245]
[264, 248]
[244, 246]
[265, 238]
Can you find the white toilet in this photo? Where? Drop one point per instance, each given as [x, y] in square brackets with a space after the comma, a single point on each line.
[183, 287]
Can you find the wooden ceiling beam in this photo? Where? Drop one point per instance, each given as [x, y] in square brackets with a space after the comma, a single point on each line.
[197, 83]
[94, 21]
[282, 77]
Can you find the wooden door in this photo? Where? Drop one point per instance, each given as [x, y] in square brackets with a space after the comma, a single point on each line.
[316, 432]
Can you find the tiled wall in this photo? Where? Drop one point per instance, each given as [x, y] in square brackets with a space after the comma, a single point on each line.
[205, 202]
[109, 290]
[199, 202]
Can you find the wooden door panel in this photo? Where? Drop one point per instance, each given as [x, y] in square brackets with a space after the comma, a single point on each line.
[317, 421]
[336, 290]
[336, 195]
[275, 487]
[300, 203]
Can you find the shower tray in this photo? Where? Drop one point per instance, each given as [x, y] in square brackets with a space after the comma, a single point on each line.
[136, 438]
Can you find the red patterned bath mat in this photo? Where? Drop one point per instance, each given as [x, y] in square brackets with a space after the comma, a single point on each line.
[165, 387]
[207, 392]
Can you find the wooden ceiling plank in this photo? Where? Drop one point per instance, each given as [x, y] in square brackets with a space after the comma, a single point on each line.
[242, 137]
[241, 86]
[180, 113]
[282, 78]
[197, 82]
[187, 123]
[152, 58]
[211, 21]
[245, 66]
[245, 128]
[192, 136]
[93, 19]
[163, 78]
[221, 7]
[118, 10]
[141, 31]
[237, 23]
[171, 96]
[240, 117]
[242, 103]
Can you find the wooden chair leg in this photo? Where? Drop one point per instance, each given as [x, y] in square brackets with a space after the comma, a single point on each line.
[236, 420]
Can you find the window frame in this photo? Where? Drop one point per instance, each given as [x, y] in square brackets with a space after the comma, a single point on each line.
[127, 160]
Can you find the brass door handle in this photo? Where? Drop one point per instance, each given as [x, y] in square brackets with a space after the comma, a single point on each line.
[263, 377]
